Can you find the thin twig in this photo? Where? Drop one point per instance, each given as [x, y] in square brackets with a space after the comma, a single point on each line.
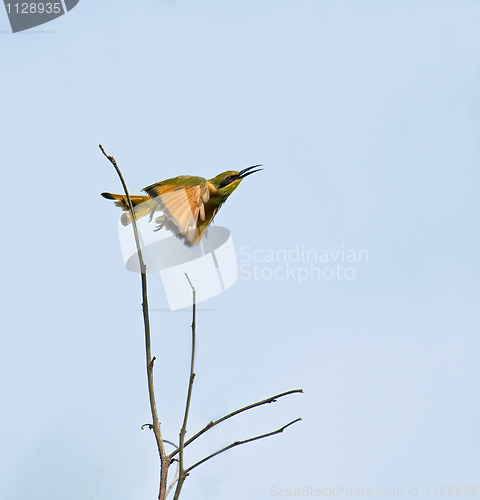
[238, 443]
[164, 461]
[232, 414]
[182, 473]
[169, 442]
[175, 479]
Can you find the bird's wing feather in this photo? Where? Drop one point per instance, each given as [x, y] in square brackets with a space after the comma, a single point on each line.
[182, 200]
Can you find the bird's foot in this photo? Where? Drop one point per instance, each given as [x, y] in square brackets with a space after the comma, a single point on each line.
[160, 221]
[152, 211]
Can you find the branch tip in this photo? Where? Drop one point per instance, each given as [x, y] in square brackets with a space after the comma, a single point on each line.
[190, 283]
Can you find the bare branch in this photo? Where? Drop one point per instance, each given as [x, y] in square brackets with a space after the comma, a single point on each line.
[272, 399]
[164, 460]
[167, 460]
[182, 474]
[238, 443]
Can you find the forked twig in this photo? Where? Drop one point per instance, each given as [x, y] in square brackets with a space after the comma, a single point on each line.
[164, 461]
[272, 399]
[238, 443]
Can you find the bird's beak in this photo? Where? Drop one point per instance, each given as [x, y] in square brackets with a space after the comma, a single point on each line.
[247, 171]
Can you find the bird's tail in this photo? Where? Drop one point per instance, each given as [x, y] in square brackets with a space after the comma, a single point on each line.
[143, 205]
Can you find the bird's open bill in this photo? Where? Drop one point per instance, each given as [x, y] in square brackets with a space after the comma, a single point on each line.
[247, 171]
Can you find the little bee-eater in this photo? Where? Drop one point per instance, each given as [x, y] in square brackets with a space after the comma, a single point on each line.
[188, 203]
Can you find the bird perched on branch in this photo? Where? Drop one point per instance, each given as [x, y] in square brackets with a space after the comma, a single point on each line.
[188, 203]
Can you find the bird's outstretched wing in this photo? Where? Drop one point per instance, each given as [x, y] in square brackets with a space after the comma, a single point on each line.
[182, 200]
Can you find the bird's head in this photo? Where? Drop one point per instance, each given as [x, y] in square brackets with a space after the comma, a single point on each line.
[228, 181]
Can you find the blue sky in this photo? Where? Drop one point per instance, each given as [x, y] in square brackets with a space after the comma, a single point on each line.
[365, 116]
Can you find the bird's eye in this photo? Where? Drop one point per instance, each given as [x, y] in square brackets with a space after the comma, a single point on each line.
[230, 178]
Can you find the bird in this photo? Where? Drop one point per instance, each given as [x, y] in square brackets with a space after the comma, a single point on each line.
[189, 203]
